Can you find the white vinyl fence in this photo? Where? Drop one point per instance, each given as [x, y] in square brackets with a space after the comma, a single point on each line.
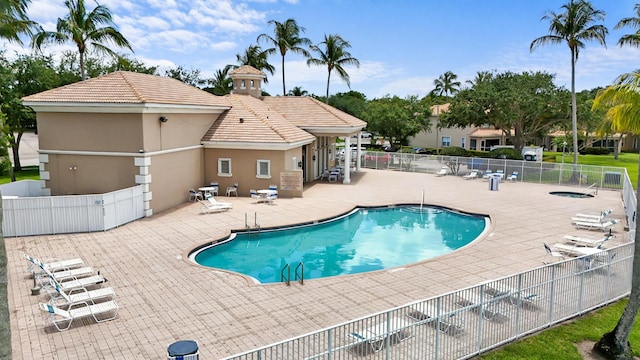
[42, 215]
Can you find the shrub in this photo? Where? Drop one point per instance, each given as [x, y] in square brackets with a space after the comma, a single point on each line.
[454, 151]
[505, 153]
[595, 151]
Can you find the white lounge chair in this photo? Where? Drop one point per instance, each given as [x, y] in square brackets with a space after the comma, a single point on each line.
[515, 297]
[584, 240]
[489, 306]
[80, 295]
[513, 176]
[443, 171]
[604, 226]
[552, 253]
[59, 317]
[63, 275]
[212, 205]
[572, 250]
[373, 338]
[472, 175]
[487, 174]
[51, 264]
[446, 323]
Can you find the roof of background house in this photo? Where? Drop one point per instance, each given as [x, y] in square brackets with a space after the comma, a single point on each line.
[305, 111]
[260, 123]
[486, 133]
[124, 87]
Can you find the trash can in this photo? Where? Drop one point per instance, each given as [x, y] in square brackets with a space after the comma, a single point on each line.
[183, 350]
[494, 181]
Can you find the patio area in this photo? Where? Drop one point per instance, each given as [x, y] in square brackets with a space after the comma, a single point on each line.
[164, 298]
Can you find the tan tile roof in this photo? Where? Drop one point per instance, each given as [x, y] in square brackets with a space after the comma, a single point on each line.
[260, 124]
[246, 69]
[439, 109]
[486, 133]
[305, 111]
[123, 87]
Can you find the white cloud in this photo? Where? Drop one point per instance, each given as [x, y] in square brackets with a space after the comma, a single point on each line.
[223, 46]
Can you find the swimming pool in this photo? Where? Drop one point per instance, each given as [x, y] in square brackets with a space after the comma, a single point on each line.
[366, 239]
[571, 194]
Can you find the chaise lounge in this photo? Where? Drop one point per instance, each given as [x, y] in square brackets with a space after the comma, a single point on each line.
[59, 317]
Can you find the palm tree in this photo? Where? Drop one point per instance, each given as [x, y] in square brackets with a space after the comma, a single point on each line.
[255, 57]
[84, 30]
[633, 22]
[334, 57]
[14, 20]
[622, 102]
[221, 84]
[446, 84]
[574, 26]
[297, 91]
[481, 77]
[286, 38]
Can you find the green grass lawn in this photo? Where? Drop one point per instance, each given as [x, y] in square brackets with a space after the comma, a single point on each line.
[628, 161]
[559, 342]
[27, 173]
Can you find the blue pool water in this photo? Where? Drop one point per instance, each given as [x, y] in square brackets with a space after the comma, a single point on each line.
[364, 240]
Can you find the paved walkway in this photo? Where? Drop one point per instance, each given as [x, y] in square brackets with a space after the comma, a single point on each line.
[165, 298]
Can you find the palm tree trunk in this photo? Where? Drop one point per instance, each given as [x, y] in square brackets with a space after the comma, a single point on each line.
[615, 344]
[83, 71]
[284, 90]
[328, 78]
[574, 112]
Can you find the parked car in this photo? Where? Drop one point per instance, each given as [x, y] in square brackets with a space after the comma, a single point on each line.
[380, 158]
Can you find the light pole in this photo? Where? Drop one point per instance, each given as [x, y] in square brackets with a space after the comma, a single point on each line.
[564, 144]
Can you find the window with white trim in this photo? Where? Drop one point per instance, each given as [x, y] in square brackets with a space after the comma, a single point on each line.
[224, 167]
[263, 170]
[463, 142]
[446, 141]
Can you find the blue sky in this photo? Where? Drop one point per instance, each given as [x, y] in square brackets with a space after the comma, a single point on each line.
[402, 46]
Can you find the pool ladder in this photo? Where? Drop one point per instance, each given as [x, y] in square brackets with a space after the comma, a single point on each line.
[299, 274]
[256, 226]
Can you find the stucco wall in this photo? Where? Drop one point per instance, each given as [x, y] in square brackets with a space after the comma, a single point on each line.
[90, 132]
[244, 168]
[78, 174]
[172, 175]
[433, 139]
[180, 130]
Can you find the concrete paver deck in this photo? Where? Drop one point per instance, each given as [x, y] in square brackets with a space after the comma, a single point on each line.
[164, 298]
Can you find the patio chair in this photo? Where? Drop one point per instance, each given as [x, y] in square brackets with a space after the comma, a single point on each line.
[487, 308]
[590, 225]
[62, 319]
[572, 250]
[214, 184]
[472, 175]
[584, 240]
[513, 176]
[374, 338]
[36, 266]
[254, 195]
[59, 274]
[487, 174]
[446, 323]
[516, 297]
[443, 171]
[232, 190]
[274, 193]
[194, 195]
[80, 295]
[553, 254]
[499, 173]
[212, 205]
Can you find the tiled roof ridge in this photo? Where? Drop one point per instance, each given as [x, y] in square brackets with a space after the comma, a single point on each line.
[329, 108]
[258, 116]
[131, 85]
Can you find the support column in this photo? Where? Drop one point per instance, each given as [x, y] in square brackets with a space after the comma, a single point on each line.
[347, 160]
[145, 179]
[359, 153]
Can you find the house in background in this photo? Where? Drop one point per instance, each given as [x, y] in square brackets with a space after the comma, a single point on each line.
[470, 138]
[124, 129]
